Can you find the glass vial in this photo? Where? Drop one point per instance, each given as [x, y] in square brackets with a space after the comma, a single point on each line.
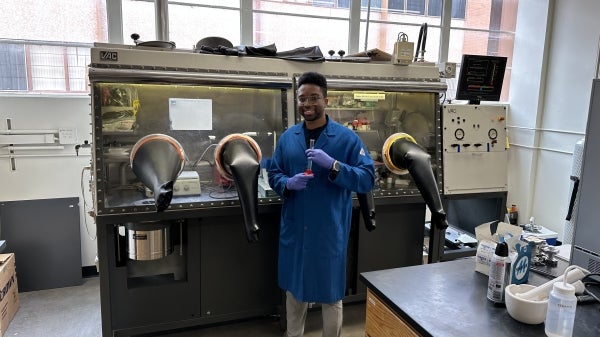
[560, 316]
[499, 273]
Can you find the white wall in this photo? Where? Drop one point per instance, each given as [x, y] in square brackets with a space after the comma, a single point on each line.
[554, 63]
[55, 173]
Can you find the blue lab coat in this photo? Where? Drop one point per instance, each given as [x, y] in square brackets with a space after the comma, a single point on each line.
[315, 222]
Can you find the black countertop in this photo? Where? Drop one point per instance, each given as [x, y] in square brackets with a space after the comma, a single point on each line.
[449, 299]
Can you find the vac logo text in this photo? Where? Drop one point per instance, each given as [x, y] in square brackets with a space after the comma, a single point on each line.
[109, 56]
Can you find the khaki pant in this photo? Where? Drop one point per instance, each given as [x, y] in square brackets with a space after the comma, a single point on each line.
[296, 316]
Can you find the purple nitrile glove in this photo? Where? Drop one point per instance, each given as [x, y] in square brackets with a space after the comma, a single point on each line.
[299, 181]
[320, 158]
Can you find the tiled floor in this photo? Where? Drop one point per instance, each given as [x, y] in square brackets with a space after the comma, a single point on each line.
[354, 319]
[75, 312]
[65, 312]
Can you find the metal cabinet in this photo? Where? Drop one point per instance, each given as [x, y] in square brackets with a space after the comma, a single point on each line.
[586, 247]
[44, 235]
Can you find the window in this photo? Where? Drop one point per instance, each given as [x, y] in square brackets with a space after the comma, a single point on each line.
[12, 67]
[53, 56]
[343, 3]
[324, 3]
[290, 25]
[188, 24]
[487, 29]
[483, 27]
[138, 17]
[421, 7]
[303, 8]
[43, 68]
[397, 5]
[434, 8]
[415, 6]
[406, 17]
[374, 4]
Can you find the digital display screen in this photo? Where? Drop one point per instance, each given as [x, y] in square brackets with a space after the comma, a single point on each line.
[481, 78]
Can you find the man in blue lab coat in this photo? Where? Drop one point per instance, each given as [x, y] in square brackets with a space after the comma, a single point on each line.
[317, 206]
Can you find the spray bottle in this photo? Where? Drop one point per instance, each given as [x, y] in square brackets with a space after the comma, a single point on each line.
[499, 274]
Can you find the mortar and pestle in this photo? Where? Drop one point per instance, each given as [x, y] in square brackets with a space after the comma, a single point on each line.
[528, 304]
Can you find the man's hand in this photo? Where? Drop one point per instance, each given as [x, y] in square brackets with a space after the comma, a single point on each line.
[298, 182]
[320, 158]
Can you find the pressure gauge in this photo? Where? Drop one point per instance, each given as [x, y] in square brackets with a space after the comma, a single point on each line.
[493, 134]
[459, 134]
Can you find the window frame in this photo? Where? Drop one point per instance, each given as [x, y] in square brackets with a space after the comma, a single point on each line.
[66, 66]
[449, 9]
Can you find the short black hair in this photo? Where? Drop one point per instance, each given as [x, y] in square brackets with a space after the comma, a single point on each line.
[315, 78]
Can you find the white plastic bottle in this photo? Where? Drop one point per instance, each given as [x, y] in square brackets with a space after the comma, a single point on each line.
[561, 310]
[499, 274]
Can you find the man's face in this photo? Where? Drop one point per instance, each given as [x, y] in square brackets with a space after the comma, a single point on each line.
[311, 103]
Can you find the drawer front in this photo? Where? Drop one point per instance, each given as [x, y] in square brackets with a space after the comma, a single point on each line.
[381, 321]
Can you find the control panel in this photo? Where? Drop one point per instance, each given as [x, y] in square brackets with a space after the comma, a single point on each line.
[474, 148]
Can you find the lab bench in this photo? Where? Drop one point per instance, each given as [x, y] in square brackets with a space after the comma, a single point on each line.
[449, 299]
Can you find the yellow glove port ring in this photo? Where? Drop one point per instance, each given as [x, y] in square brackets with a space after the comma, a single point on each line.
[386, 152]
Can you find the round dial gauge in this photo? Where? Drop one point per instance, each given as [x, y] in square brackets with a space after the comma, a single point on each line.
[493, 134]
[459, 134]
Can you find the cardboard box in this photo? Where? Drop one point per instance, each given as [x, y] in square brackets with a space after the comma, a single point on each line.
[9, 291]
[487, 240]
[520, 252]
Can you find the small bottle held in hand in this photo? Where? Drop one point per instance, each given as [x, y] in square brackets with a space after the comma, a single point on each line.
[499, 274]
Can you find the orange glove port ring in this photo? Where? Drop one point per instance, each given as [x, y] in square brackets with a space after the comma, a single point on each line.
[234, 136]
